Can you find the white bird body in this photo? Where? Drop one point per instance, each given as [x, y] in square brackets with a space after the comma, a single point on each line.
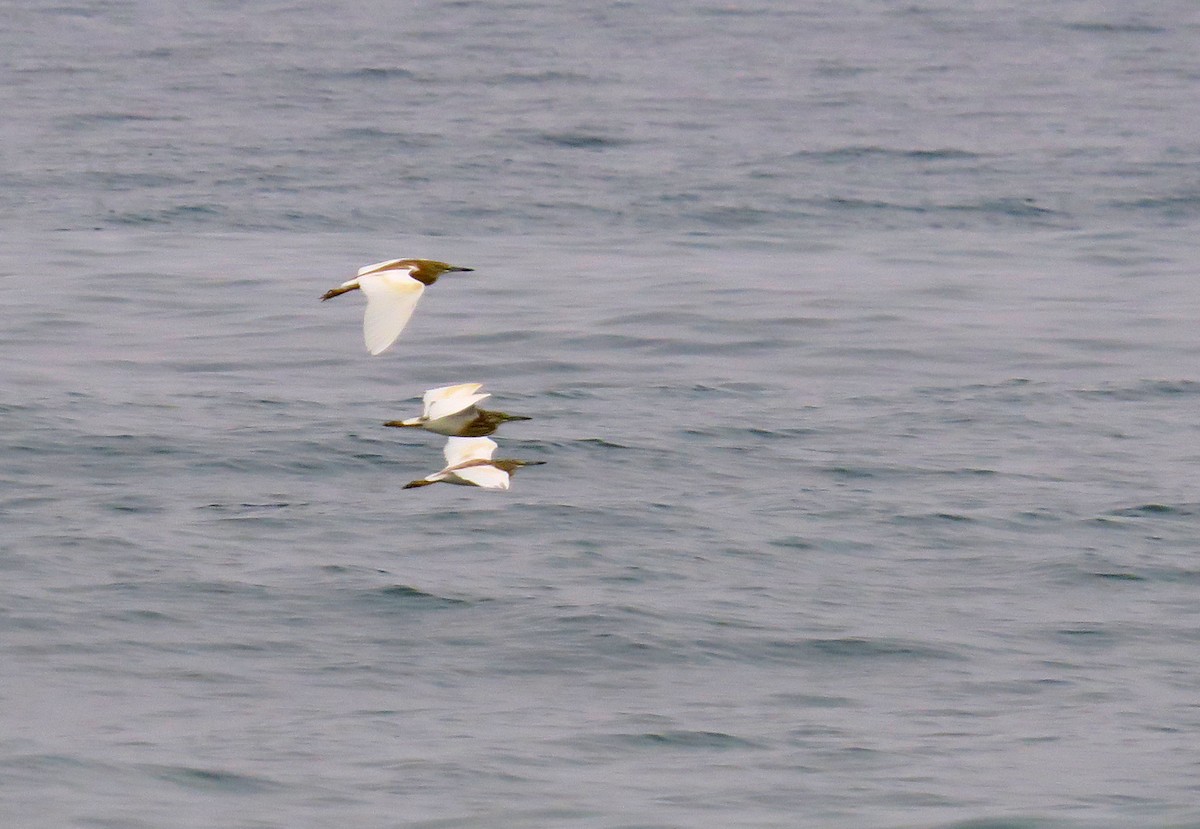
[393, 288]
[453, 411]
[462, 467]
[469, 463]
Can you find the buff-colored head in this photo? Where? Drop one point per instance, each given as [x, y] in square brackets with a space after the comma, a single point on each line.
[511, 465]
[427, 271]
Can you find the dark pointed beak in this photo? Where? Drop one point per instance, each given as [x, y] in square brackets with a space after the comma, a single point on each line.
[457, 268]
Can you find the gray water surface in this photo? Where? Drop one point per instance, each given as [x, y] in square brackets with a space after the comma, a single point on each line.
[861, 345]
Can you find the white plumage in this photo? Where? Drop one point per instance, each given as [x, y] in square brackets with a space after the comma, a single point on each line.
[453, 411]
[393, 288]
[469, 463]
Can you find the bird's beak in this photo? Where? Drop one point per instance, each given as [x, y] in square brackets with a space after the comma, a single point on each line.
[457, 268]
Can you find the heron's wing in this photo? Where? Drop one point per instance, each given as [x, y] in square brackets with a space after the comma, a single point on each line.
[387, 265]
[445, 394]
[461, 450]
[484, 475]
[453, 405]
[391, 300]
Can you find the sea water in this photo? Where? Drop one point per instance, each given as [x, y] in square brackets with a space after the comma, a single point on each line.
[860, 341]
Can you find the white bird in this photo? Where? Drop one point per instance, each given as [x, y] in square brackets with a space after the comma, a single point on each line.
[393, 289]
[469, 463]
[451, 411]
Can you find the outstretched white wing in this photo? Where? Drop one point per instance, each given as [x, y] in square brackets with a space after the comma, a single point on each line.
[460, 450]
[449, 400]
[391, 299]
[488, 477]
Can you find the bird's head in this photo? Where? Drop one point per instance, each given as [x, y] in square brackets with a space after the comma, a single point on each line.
[427, 271]
[511, 465]
[496, 418]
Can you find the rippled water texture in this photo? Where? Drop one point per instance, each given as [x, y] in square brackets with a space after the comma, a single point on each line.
[860, 344]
